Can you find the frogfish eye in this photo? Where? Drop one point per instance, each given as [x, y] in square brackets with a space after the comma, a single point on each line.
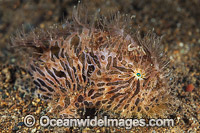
[138, 74]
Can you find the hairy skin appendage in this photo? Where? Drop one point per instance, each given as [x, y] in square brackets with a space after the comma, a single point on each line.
[99, 62]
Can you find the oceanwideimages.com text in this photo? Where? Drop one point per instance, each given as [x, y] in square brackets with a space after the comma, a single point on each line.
[45, 121]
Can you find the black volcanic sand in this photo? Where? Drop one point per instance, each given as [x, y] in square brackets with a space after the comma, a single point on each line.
[177, 20]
